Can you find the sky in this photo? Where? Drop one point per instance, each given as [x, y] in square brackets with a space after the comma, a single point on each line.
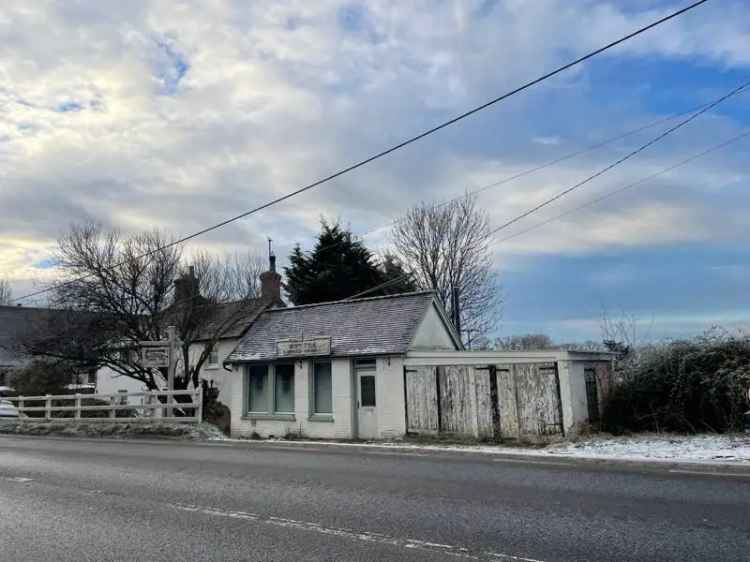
[177, 115]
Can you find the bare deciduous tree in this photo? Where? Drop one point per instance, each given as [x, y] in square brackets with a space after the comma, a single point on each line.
[446, 247]
[121, 290]
[622, 333]
[6, 294]
[216, 293]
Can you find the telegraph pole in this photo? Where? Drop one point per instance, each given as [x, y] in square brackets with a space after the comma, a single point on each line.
[456, 311]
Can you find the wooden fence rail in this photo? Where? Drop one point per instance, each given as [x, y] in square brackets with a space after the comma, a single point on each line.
[155, 405]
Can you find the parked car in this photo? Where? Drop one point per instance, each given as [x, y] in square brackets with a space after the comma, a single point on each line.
[8, 410]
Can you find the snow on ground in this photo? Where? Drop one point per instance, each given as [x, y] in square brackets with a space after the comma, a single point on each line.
[645, 447]
[716, 448]
[143, 429]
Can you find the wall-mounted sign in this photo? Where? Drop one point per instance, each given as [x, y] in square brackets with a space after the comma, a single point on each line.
[320, 345]
[155, 357]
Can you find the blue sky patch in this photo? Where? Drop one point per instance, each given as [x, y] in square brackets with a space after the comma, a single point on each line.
[69, 107]
[171, 68]
[47, 263]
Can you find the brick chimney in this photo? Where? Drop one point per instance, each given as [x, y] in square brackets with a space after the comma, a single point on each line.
[186, 286]
[270, 282]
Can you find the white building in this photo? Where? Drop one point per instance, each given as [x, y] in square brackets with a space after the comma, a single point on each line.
[380, 367]
[236, 318]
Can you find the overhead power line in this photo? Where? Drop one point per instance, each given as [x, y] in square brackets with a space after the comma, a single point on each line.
[628, 186]
[620, 161]
[537, 168]
[406, 142]
[590, 203]
[601, 172]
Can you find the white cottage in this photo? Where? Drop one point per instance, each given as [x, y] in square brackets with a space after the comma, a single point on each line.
[383, 367]
[333, 370]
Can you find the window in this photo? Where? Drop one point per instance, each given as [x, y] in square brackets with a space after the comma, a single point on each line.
[257, 383]
[213, 358]
[284, 389]
[270, 390]
[92, 377]
[367, 390]
[322, 389]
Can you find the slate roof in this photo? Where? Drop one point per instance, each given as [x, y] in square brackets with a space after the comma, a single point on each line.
[369, 326]
[17, 321]
[240, 313]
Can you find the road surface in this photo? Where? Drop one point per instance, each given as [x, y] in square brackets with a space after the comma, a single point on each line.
[83, 500]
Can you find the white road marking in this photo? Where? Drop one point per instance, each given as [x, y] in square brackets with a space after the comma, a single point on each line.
[365, 536]
[20, 479]
[525, 461]
[706, 473]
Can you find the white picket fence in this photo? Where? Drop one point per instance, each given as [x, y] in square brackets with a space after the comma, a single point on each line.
[155, 405]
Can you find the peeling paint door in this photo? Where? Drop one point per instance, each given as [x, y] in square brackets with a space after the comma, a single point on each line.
[422, 407]
[538, 399]
[528, 400]
[367, 415]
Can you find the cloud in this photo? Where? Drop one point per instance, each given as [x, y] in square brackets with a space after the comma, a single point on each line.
[548, 141]
[179, 115]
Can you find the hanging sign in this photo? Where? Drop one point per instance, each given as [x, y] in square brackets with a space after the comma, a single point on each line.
[155, 357]
[291, 347]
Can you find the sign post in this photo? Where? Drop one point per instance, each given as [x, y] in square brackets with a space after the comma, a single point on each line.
[163, 355]
[172, 338]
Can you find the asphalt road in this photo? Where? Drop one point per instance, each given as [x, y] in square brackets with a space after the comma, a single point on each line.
[86, 500]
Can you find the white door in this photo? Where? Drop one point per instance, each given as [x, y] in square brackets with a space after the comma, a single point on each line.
[366, 404]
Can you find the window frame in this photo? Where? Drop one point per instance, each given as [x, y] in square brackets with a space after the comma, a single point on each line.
[270, 412]
[248, 398]
[212, 364]
[314, 413]
[274, 410]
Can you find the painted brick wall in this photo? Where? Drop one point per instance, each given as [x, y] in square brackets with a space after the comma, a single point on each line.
[220, 377]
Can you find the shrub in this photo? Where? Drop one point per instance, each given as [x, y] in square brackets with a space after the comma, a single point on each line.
[42, 377]
[685, 386]
[218, 414]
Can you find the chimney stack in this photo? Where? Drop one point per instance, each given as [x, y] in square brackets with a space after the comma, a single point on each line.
[270, 281]
[186, 286]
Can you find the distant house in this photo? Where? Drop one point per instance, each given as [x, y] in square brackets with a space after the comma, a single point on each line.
[383, 367]
[16, 323]
[233, 318]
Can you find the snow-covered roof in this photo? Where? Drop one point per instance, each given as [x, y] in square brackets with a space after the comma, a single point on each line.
[371, 326]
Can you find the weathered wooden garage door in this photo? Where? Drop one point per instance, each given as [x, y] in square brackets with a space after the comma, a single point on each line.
[528, 400]
[421, 399]
[525, 400]
[450, 399]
